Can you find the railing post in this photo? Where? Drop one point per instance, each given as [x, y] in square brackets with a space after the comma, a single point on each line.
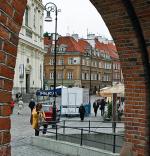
[89, 126]
[81, 137]
[114, 137]
[56, 132]
[64, 127]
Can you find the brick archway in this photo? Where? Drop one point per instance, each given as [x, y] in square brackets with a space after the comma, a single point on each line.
[128, 22]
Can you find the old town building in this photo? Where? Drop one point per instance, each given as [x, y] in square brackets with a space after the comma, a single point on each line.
[128, 23]
[29, 64]
[79, 62]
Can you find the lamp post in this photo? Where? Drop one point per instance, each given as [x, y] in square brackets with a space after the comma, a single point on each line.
[51, 7]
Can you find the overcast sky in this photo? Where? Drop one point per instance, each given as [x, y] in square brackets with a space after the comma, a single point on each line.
[77, 16]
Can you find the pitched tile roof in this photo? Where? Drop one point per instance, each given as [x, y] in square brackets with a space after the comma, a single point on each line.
[47, 41]
[112, 50]
[72, 44]
[84, 44]
[109, 48]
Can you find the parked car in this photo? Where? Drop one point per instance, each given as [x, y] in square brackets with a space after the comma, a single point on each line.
[48, 110]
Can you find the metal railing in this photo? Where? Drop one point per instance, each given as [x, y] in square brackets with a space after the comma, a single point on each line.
[88, 135]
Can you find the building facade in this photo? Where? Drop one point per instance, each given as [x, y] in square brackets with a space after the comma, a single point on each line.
[30, 57]
[86, 63]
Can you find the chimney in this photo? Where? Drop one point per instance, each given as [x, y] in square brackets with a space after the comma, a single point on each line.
[75, 36]
[91, 36]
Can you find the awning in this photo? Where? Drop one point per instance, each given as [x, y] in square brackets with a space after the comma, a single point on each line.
[108, 91]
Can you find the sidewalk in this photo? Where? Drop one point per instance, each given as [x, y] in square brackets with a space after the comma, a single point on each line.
[22, 132]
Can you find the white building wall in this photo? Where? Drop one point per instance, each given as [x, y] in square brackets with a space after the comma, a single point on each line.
[30, 47]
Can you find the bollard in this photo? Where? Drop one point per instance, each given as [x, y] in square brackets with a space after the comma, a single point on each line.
[64, 127]
[56, 132]
[81, 137]
[89, 126]
[114, 137]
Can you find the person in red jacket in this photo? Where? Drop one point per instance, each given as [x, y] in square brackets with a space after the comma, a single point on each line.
[12, 105]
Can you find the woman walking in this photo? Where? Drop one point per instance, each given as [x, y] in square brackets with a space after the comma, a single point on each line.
[38, 119]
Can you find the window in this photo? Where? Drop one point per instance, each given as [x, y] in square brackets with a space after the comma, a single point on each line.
[70, 60]
[27, 60]
[29, 33]
[92, 76]
[70, 75]
[59, 75]
[62, 49]
[21, 71]
[87, 75]
[83, 62]
[95, 76]
[87, 63]
[95, 64]
[52, 49]
[99, 76]
[51, 62]
[100, 65]
[92, 63]
[34, 19]
[41, 30]
[51, 76]
[27, 16]
[40, 72]
[82, 76]
[60, 61]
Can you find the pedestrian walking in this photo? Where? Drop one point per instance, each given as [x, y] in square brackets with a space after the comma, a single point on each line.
[38, 119]
[102, 106]
[31, 104]
[12, 105]
[20, 106]
[18, 96]
[82, 112]
[95, 107]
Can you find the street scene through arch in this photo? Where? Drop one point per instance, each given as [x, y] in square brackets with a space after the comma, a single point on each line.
[131, 39]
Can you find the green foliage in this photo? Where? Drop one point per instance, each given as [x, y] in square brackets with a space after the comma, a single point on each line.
[109, 115]
[46, 34]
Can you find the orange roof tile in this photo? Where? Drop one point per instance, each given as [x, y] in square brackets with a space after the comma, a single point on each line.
[84, 44]
[109, 48]
[72, 44]
[47, 41]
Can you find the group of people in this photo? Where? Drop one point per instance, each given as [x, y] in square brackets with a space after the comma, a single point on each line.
[18, 101]
[99, 104]
[37, 118]
[96, 104]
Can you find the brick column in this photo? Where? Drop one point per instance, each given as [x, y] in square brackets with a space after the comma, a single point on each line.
[11, 15]
[128, 22]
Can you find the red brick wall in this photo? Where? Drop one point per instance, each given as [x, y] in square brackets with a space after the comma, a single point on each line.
[11, 15]
[134, 61]
[122, 24]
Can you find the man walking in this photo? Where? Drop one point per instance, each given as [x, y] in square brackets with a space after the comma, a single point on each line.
[82, 112]
[102, 106]
[95, 107]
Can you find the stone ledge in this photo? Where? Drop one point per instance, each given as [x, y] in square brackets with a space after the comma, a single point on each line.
[69, 149]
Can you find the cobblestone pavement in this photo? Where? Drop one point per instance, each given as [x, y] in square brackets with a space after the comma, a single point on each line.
[21, 132]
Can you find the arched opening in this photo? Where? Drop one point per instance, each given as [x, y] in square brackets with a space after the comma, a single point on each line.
[128, 22]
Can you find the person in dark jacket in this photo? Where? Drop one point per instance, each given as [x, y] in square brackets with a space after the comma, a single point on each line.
[32, 104]
[102, 106]
[95, 107]
[82, 112]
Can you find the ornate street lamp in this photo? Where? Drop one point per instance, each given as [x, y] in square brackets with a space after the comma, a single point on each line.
[51, 7]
